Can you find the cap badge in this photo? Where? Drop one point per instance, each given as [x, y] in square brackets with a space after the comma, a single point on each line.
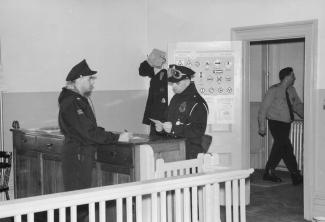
[80, 112]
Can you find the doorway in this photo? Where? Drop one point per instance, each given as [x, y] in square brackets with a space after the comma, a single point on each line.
[267, 58]
[308, 31]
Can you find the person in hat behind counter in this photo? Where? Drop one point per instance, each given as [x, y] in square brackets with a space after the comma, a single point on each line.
[187, 112]
[157, 101]
[78, 124]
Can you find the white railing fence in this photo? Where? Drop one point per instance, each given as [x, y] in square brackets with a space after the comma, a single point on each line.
[203, 163]
[128, 198]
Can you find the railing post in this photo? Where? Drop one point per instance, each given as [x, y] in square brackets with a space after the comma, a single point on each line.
[242, 201]
[228, 201]
[235, 200]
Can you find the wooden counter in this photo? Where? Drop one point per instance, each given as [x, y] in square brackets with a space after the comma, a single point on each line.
[37, 160]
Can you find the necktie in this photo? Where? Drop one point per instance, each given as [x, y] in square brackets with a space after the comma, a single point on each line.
[289, 106]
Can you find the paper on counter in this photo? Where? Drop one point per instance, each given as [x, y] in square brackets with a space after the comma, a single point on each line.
[125, 137]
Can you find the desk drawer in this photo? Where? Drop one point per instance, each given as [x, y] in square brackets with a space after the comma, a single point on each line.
[119, 155]
[46, 144]
[25, 141]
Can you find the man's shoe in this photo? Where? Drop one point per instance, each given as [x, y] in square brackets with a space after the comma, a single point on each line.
[297, 178]
[270, 175]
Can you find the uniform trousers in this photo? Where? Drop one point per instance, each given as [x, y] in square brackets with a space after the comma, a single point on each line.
[282, 147]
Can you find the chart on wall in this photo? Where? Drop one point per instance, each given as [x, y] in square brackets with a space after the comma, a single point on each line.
[217, 75]
[214, 71]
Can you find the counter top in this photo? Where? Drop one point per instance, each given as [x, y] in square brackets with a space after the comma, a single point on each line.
[138, 139]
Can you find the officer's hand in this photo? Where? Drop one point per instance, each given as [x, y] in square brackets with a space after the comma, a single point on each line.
[261, 131]
[159, 127]
[157, 58]
[167, 126]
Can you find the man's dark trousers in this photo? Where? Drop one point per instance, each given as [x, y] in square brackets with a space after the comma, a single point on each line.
[282, 147]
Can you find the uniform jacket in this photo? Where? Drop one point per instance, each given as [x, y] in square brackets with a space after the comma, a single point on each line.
[188, 113]
[157, 101]
[275, 107]
[78, 123]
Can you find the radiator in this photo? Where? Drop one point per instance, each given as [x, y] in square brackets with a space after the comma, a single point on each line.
[296, 137]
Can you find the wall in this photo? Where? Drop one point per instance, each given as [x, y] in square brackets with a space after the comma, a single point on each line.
[212, 20]
[42, 40]
[42, 110]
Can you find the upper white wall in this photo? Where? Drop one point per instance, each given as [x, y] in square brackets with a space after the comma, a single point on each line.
[212, 20]
[42, 40]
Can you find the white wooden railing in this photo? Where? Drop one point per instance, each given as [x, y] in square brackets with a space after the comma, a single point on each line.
[128, 198]
[203, 163]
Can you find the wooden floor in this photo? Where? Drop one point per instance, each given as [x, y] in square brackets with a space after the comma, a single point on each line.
[280, 202]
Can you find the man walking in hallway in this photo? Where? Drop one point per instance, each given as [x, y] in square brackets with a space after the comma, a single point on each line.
[278, 105]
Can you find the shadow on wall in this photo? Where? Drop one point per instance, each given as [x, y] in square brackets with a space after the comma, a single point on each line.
[114, 110]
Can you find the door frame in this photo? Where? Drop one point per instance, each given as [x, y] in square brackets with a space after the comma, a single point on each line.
[302, 29]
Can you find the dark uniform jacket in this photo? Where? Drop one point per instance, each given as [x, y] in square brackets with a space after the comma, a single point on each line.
[78, 124]
[157, 101]
[188, 113]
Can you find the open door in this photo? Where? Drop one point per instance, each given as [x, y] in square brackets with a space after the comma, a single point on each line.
[314, 201]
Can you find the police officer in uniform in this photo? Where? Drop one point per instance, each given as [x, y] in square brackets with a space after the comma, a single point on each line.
[157, 101]
[78, 124]
[187, 112]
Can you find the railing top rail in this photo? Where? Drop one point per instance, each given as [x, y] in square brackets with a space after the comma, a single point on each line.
[112, 192]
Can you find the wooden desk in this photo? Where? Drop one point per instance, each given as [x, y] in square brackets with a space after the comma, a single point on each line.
[37, 160]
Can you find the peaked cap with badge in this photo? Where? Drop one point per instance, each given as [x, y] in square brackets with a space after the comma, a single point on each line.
[178, 73]
[79, 70]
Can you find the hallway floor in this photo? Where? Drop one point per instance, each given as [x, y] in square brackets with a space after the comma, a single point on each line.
[280, 202]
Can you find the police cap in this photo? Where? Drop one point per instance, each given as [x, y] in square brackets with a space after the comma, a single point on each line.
[79, 70]
[178, 73]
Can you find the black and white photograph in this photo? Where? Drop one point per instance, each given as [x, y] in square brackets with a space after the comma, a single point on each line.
[162, 111]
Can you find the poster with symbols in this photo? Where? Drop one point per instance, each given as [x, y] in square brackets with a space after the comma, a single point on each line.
[214, 71]
[217, 73]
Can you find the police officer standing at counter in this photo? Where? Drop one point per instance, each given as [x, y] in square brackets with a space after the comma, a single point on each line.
[78, 124]
[187, 112]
